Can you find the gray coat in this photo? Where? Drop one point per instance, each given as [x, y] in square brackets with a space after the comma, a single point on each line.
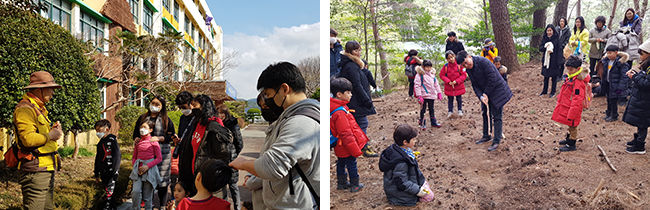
[293, 140]
[597, 48]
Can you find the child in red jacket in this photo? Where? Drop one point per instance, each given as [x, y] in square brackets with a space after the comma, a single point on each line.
[568, 110]
[454, 77]
[351, 137]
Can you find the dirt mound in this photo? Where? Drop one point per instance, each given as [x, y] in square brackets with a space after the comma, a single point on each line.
[525, 172]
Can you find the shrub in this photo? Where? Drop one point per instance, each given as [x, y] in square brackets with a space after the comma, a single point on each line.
[127, 117]
[175, 116]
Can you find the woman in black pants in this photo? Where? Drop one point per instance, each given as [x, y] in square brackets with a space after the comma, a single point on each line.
[551, 62]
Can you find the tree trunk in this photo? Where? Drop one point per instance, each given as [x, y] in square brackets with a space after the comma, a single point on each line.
[644, 8]
[560, 11]
[636, 7]
[65, 139]
[485, 18]
[365, 28]
[75, 134]
[379, 47]
[539, 19]
[611, 17]
[578, 9]
[503, 33]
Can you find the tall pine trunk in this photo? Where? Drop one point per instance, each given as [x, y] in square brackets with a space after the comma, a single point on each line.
[539, 19]
[379, 47]
[503, 34]
[561, 9]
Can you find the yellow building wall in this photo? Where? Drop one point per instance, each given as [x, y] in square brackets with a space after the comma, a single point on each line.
[95, 4]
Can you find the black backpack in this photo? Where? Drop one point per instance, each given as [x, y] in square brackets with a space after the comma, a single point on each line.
[315, 116]
[409, 70]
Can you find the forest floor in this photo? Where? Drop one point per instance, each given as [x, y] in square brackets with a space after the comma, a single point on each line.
[525, 172]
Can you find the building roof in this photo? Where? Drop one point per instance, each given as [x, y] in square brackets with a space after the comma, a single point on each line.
[217, 90]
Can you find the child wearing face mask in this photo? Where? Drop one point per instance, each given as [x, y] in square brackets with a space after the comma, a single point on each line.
[107, 161]
[145, 174]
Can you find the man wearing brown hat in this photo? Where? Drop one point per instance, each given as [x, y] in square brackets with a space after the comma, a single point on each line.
[36, 137]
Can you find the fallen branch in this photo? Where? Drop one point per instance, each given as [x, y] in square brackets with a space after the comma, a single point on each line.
[633, 195]
[377, 100]
[600, 186]
[607, 158]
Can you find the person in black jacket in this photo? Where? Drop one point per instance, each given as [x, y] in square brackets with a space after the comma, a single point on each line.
[491, 89]
[107, 161]
[453, 44]
[551, 60]
[614, 81]
[231, 123]
[636, 113]
[361, 102]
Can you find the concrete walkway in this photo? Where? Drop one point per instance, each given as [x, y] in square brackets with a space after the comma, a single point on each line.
[253, 137]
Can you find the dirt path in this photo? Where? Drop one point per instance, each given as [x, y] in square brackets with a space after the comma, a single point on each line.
[526, 172]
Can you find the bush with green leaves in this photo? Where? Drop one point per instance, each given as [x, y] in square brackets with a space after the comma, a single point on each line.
[316, 94]
[68, 151]
[175, 116]
[32, 43]
[127, 117]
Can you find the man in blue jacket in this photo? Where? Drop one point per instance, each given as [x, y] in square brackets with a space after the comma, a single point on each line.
[335, 52]
[491, 89]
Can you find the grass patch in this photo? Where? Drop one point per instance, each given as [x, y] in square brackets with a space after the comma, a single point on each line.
[86, 194]
[68, 151]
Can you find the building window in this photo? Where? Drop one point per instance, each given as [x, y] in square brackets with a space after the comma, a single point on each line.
[148, 20]
[102, 92]
[166, 5]
[176, 11]
[176, 74]
[200, 43]
[166, 28]
[58, 11]
[187, 25]
[192, 33]
[92, 30]
[134, 9]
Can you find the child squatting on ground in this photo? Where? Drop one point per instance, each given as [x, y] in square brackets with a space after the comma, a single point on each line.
[107, 161]
[145, 175]
[350, 136]
[568, 110]
[428, 90]
[454, 77]
[212, 175]
[404, 183]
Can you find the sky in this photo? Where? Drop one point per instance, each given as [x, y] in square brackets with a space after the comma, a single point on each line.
[265, 32]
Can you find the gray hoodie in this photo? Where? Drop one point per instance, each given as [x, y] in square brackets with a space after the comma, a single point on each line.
[294, 139]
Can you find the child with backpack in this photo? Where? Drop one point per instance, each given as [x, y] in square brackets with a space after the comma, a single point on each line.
[614, 81]
[570, 102]
[412, 60]
[350, 136]
[427, 89]
[636, 113]
[454, 77]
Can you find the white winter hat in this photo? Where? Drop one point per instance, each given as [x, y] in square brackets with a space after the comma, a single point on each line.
[645, 46]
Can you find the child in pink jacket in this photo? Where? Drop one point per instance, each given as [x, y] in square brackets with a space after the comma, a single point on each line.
[145, 174]
[427, 89]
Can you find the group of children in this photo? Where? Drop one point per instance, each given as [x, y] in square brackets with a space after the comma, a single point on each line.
[146, 177]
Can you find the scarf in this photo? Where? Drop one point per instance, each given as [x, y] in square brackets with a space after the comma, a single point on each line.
[409, 152]
[547, 56]
[575, 74]
[199, 132]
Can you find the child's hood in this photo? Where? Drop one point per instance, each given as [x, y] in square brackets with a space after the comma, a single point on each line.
[623, 56]
[421, 71]
[584, 74]
[393, 155]
[336, 103]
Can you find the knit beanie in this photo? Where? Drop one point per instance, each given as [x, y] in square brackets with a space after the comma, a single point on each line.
[645, 46]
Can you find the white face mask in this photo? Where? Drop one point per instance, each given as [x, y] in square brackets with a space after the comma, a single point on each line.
[186, 112]
[154, 109]
[144, 131]
[101, 135]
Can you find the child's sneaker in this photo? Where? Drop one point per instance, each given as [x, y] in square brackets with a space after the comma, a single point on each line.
[434, 123]
[449, 114]
[460, 112]
[355, 186]
[638, 148]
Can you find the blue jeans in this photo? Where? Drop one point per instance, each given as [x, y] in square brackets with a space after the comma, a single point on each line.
[363, 124]
[350, 163]
[142, 190]
[496, 115]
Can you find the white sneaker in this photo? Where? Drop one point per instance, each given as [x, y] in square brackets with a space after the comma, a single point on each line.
[460, 112]
[449, 114]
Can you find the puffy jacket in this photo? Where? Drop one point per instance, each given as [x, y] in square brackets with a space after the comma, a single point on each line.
[635, 25]
[568, 110]
[426, 84]
[233, 126]
[615, 78]
[402, 176]
[583, 37]
[360, 102]
[556, 58]
[33, 130]
[564, 35]
[343, 125]
[335, 57]
[108, 158]
[455, 46]
[490, 54]
[486, 79]
[453, 72]
[637, 112]
[597, 51]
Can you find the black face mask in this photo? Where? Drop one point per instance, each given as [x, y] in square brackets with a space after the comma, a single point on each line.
[274, 108]
[269, 116]
[197, 113]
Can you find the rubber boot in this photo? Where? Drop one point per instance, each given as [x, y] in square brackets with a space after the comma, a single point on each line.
[631, 143]
[638, 148]
[434, 123]
[342, 183]
[570, 146]
[563, 142]
[355, 186]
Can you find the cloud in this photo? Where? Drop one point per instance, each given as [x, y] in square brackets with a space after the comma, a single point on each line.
[255, 53]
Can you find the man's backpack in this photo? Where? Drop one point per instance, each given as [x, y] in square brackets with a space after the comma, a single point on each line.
[334, 139]
[316, 117]
[409, 70]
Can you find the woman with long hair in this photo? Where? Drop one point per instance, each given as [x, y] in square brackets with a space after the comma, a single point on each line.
[551, 60]
[580, 38]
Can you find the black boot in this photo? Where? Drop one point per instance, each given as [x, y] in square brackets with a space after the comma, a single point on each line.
[342, 183]
[638, 148]
[434, 123]
[631, 143]
[368, 152]
[355, 186]
[563, 142]
[570, 146]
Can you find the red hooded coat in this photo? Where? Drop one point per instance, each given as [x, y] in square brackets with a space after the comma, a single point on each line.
[343, 126]
[568, 110]
[453, 72]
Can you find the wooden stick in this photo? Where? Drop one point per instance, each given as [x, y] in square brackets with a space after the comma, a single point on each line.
[633, 195]
[607, 159]
[600, 186]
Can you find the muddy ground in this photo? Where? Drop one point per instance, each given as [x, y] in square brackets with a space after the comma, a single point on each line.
[525, 172]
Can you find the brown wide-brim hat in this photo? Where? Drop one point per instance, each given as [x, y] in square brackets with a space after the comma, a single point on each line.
[42, 79]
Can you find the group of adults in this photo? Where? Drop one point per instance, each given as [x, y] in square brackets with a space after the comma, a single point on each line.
[558, 42]
[291, 149]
